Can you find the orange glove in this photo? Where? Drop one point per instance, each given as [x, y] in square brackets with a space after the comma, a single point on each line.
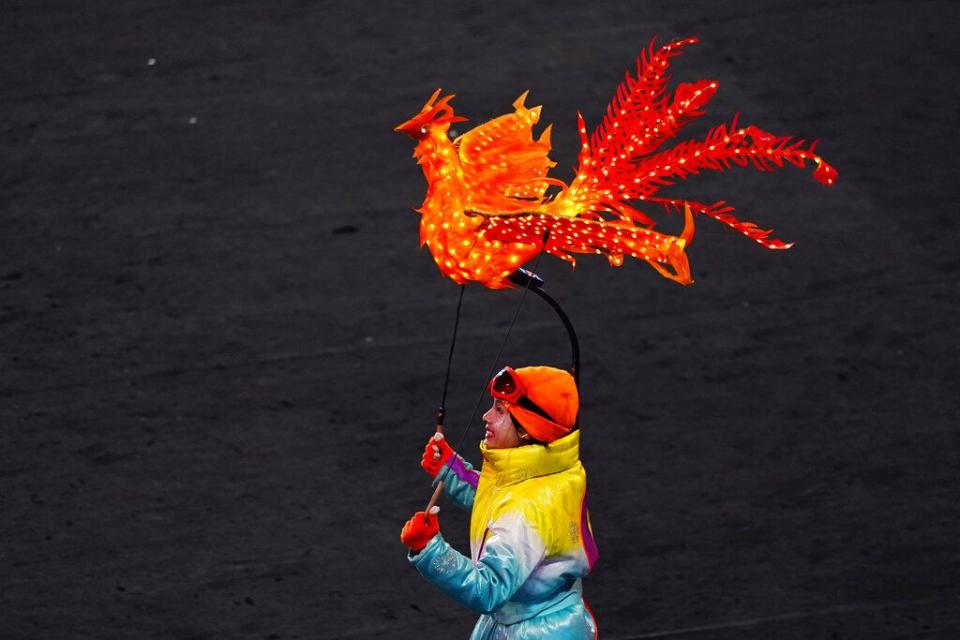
[436, 454]
[419, 530]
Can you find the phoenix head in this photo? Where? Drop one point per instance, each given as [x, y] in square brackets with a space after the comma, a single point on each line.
[434, 115]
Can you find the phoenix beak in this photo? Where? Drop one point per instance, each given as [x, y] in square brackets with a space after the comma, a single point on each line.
[410, 128]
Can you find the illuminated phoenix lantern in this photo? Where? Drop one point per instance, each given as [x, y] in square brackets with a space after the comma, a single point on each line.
[490, 205]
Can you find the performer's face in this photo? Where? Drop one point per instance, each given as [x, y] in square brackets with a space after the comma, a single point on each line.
[501, 433]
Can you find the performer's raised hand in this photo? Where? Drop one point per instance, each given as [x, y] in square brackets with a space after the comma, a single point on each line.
[436, 453]
[420, 529]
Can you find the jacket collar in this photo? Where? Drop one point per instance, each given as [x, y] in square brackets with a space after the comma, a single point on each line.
[517, 464]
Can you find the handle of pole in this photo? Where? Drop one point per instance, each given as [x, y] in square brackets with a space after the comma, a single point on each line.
[441, 413]
[433, 500]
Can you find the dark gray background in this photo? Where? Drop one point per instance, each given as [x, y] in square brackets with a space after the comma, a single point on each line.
[221, 348]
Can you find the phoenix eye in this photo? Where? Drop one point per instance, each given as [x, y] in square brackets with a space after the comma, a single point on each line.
[424, 130]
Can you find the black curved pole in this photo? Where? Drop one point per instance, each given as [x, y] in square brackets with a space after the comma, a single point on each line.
[441, 410]
[525, 278]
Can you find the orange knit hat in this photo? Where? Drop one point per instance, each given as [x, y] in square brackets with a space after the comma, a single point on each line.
[550, 389]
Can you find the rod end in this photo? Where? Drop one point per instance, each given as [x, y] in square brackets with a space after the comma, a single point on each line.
[526, 278]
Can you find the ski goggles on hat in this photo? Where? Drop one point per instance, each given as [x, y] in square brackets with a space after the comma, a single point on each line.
[508, 386]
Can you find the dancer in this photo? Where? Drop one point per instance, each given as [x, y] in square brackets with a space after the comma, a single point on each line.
[530, 535]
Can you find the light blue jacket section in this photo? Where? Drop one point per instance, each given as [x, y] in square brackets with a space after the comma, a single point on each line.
[487, 587]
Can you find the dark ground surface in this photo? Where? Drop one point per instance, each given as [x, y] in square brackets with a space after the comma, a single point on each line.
[221, 348]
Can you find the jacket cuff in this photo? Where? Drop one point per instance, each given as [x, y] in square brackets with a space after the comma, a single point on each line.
[434, 546]
[457, 468]
[446, 470]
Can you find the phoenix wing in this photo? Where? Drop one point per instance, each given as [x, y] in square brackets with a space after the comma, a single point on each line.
[504, 168]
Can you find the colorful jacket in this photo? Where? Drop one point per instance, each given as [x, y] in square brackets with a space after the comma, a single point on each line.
[530, 542]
